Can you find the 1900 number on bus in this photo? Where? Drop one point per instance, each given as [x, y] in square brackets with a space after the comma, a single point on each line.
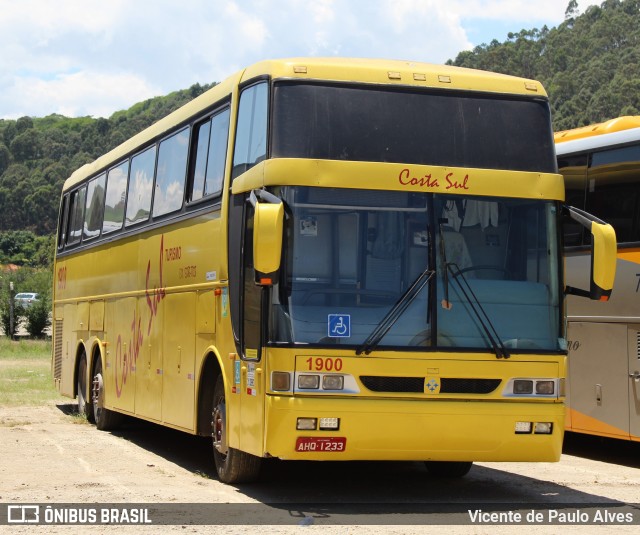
[324, 364]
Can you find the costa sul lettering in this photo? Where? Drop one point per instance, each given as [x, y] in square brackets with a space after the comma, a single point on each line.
[127, 353]
[428, 181]
[158, 293]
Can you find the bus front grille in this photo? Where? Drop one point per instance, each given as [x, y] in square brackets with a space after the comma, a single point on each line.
[448, 385]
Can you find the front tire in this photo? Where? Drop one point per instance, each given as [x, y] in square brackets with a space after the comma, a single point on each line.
[448, 468]
[105, 419]
[233, 466]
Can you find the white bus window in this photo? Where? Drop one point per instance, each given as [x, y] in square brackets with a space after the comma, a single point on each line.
[211, 153]
[202, 133]
[76, 215]
[170, 174]
[251, 135]
[114, 205]
[94, 208]
[140, 186]
[217, 153]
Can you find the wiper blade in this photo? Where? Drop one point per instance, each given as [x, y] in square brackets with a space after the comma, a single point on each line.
[480, 313]
[396, 311]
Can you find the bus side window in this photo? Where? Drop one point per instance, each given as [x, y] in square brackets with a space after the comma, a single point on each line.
[211, 151]
[171, 173]
[62, 223]
[140, 186]
[612, 190]
[114, 204]
[94, 208]
[76, 215]
[251, 133]
[574, 170]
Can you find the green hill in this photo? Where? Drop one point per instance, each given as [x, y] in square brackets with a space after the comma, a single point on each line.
[589, 64]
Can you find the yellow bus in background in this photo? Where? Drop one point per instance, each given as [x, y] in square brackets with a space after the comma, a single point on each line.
[601, 167]
[328, 259]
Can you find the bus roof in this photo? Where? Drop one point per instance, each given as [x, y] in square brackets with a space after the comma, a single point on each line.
[387, 72]
[610, 133]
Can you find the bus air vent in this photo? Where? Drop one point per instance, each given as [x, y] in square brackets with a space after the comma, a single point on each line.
[448, 385]
[393, 384]
[468, 386]
[57, 350]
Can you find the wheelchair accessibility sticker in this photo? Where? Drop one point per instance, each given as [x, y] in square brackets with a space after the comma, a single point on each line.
[339, 326]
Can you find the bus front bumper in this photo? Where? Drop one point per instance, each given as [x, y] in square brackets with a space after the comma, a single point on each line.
[376, 429]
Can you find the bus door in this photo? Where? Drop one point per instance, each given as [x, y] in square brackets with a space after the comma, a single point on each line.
[599, 378]
[252, 364]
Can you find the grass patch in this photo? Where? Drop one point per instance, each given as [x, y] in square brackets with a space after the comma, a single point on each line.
[25, 373]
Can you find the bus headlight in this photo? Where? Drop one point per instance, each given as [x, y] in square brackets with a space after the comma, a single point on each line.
[333, 382]
[546, 388]
[543, 428]
[533, 387]
[307, 424]
[522, 386]
[309, 382]
[280, 381]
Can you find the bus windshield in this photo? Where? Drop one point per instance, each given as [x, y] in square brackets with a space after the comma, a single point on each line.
[369, 123]
[351, 256]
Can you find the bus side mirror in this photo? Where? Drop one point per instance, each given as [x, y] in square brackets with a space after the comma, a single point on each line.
[268, 226]
[603, 255]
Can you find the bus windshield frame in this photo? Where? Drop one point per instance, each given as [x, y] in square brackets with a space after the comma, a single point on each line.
[350, 256]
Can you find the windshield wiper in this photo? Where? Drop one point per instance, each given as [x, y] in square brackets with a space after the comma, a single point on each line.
[480, 313]
[396, 311]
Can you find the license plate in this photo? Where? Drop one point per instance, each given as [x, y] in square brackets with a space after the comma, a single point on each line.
[327, 444]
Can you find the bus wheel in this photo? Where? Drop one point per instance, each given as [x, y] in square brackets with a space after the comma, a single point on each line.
[233, 466]
[85, 404]
[104, 418]
[448, 468]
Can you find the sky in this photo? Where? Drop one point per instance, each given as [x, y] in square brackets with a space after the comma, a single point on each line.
[95, 57]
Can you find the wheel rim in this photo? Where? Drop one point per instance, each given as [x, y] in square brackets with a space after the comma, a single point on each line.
[219, 432]
[98, 393]
[82, 384]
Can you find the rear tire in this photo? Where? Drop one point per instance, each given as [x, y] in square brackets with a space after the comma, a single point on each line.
[233, 466]
[84, 397]
[105, 419]
[448, 468]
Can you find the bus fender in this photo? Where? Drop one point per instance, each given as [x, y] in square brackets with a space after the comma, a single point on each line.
[210, 368]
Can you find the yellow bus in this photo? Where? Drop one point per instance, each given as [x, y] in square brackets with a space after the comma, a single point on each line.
[601, 166]
[327, 259]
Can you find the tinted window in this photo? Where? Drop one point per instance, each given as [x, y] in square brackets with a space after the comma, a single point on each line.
[62, 224]
[114, 205]
[211, 151]
[94, 209]
[612, 190]
[170, 174]
[574, 170]
[76, 215]
[403, 126]
[251, 135]
[140, 186]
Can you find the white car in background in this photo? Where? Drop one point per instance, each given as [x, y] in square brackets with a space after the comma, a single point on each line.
[26, 299]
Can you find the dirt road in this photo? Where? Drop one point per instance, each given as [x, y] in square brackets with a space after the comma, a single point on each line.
[49, 455]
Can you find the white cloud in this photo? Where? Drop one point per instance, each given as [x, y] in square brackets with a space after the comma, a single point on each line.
[95, 56]
[77, 94]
